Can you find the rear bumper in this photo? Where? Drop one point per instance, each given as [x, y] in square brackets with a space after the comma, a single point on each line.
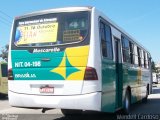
[90, 101]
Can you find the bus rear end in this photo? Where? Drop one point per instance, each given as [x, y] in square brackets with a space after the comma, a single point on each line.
[48, 61]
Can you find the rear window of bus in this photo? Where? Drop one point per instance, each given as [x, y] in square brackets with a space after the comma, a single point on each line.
[51, 29]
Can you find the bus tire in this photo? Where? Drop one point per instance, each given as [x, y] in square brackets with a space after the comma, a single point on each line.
[127, 103]
[68, 112]
[147, 93]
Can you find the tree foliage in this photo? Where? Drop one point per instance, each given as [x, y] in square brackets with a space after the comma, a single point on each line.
[4, 53]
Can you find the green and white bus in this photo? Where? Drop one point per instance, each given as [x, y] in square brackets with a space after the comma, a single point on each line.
[3, 79]
[75, 59]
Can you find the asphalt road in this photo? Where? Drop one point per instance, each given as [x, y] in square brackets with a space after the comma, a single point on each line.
[141, 111]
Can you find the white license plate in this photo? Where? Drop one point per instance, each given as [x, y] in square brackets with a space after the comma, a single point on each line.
[46, 90]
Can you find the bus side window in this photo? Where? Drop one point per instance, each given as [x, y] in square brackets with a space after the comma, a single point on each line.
[106, 41]
[145, 65]
[125, 49]
[136, 55]
[132, 56]
[139, 56]
[103, 41]
[148, 60]
[142, 59]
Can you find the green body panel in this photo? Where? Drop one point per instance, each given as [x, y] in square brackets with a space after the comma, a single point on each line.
[108, 86]
[27, 66]
[131, 81]
[119, 85]
[115, 83]
[24, 56]
[36, 74]
[137, 79]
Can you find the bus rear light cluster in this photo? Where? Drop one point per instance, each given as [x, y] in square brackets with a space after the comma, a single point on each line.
[10, 74]
[90, 74]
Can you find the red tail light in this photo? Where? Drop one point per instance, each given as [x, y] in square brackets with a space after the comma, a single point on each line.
[90, 74]
[10, 74]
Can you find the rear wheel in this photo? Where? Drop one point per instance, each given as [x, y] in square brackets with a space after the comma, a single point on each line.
[127, 103]
[147, 93]
[67, 112]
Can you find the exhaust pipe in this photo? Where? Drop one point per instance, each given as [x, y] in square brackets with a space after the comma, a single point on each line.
[45, 109]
